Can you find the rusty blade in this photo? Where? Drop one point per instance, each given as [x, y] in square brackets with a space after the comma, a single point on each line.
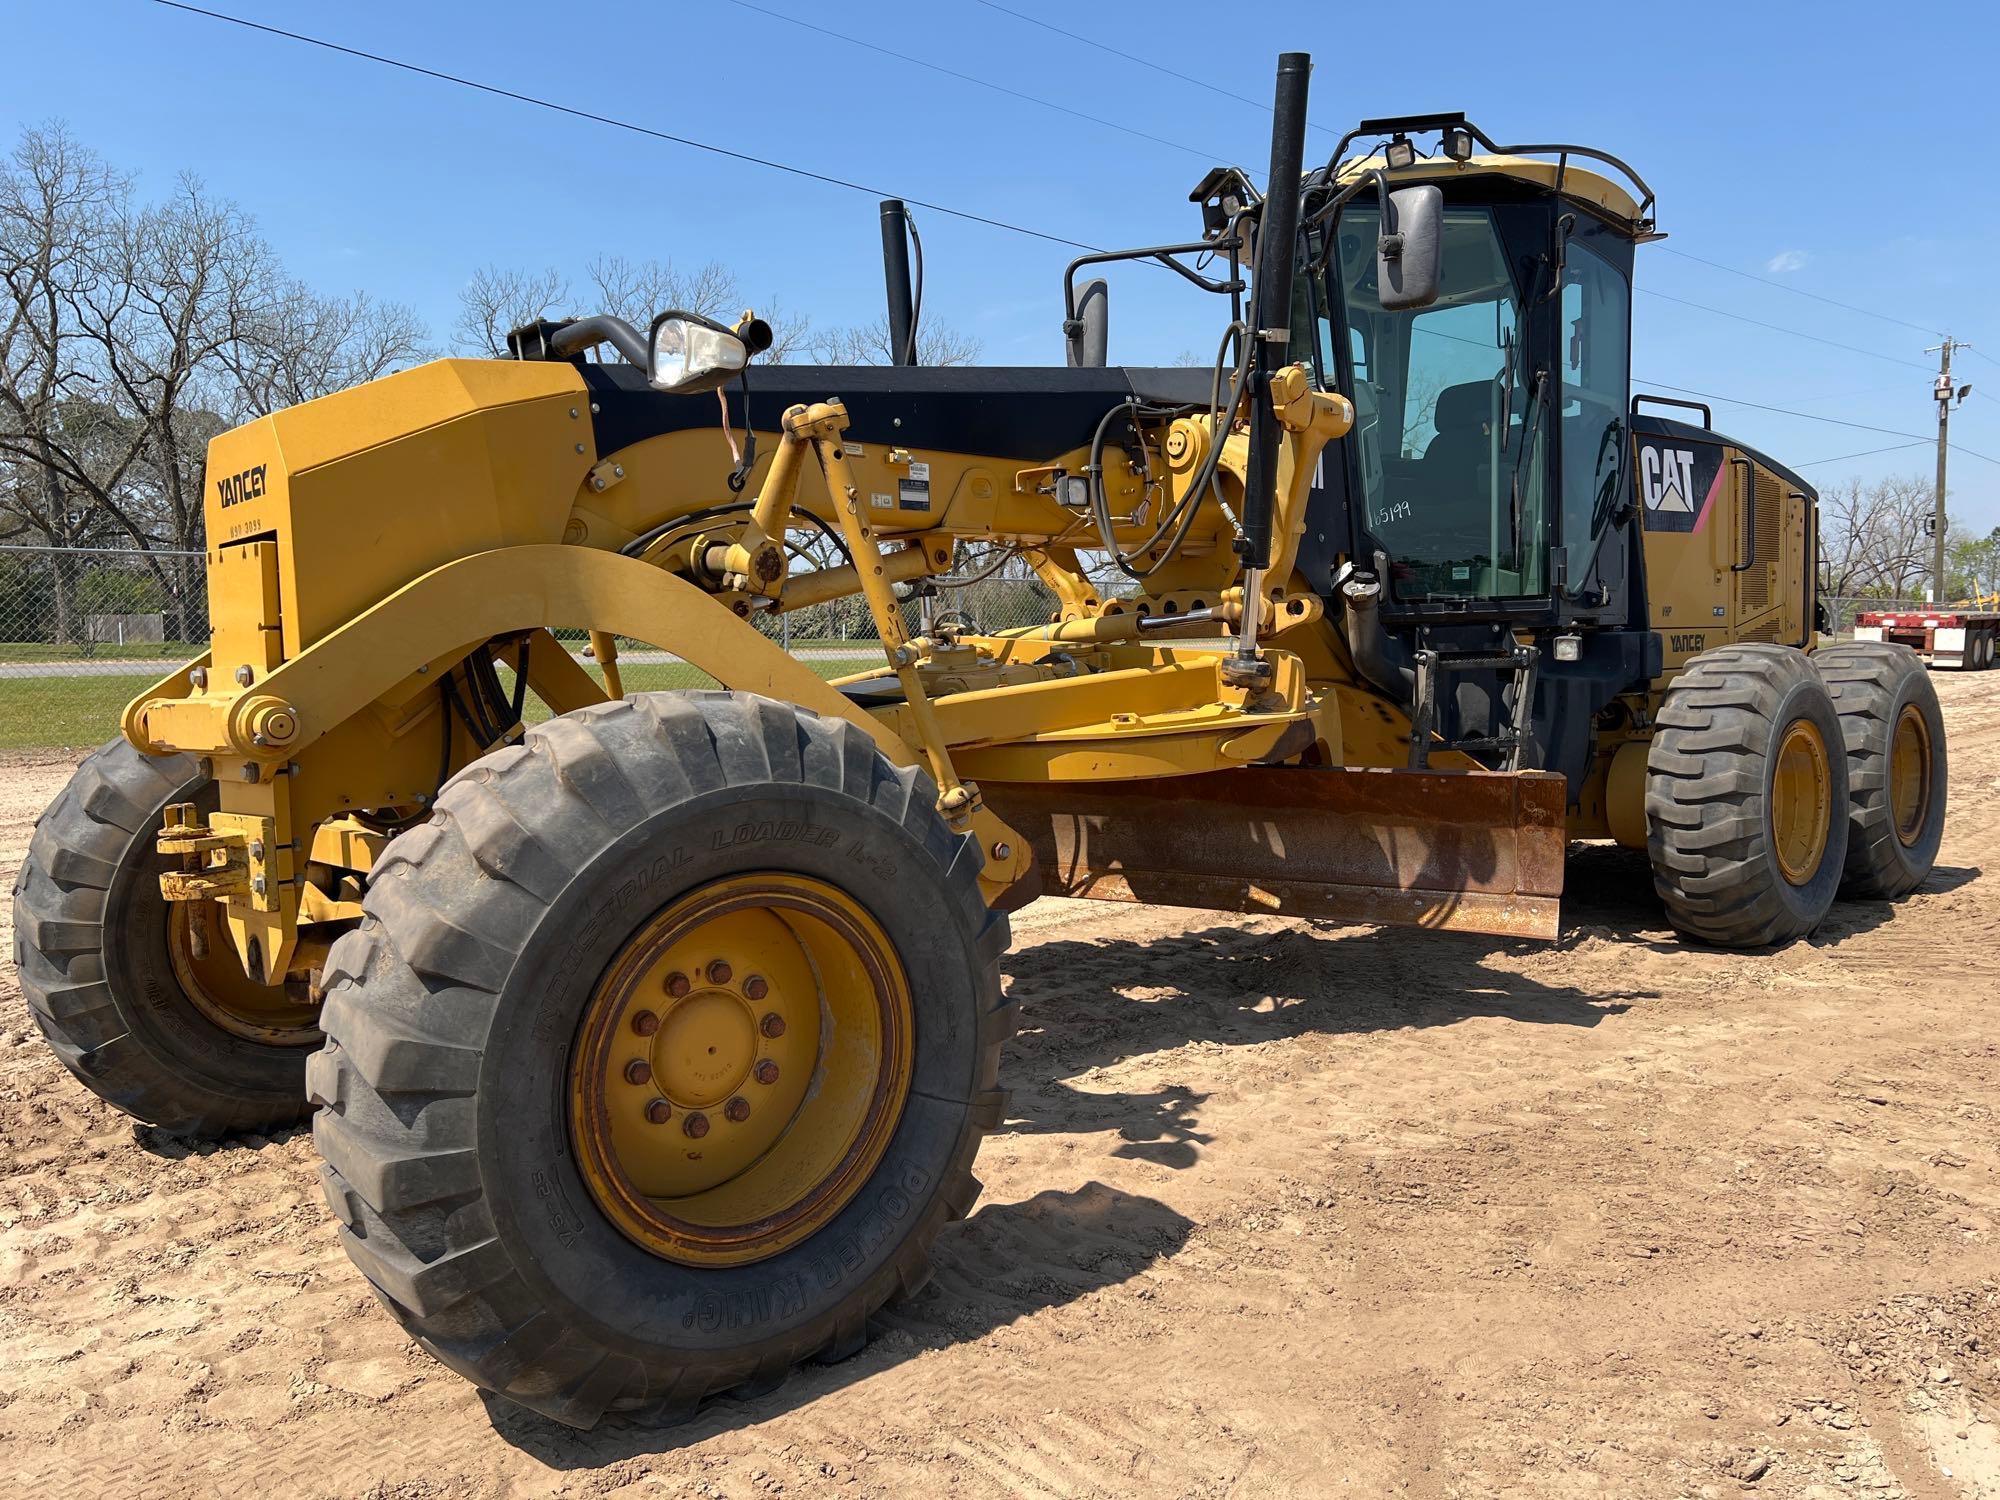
[1467, 851]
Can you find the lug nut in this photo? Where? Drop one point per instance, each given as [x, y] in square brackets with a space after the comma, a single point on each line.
[738, 1109]
[659, 1111]
[773, 1024]
[677, 984]
[645, 1022]
[754, 987]
[696, 1125]
[767, 1072]
[638, 1070]
[719, 972]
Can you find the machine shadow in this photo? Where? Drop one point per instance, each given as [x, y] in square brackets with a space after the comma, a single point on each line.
[1005, 1262]
[1608, 893]
[167, 1147]
[1089, 1004]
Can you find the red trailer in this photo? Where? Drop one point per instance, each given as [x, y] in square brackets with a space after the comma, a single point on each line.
[1944, 637]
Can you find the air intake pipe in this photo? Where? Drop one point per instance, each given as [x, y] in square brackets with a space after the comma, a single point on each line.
[1378, 656]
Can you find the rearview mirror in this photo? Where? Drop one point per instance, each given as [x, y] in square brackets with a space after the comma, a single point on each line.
[1409, 256]
[690, 354]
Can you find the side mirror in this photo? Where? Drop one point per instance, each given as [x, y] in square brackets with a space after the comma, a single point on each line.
[1087, 341]
[1409, 256]
[689, 354]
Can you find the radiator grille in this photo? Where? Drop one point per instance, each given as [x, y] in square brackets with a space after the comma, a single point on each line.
[1769, 540]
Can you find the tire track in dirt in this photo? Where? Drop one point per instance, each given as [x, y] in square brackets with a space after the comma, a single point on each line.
[1280, 1209]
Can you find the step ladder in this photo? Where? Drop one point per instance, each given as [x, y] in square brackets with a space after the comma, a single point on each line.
[1435, 667]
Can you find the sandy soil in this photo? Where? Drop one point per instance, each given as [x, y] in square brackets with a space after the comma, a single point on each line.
[1281, 1209]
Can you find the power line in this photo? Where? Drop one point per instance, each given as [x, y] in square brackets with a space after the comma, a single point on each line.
[1133, 57]
[1778, 328]
[973, 79]
[1781, 411]
[1800, 291]
[645, 130]
[1839, 458]
[1812, 417]
[958, 213]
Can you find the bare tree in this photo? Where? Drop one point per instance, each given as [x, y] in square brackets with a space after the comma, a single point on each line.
[302, 345]
[1872, 539]
[130, 335]
[61, 444]
[868, 344]
[494, 302]
[181, 282]
[638, 291]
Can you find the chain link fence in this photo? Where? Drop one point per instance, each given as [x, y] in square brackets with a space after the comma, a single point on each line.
[84, 631]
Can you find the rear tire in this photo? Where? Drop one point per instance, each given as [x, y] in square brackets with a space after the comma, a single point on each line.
[1746, 797]
[91, 939]
[1893, 731]
[461, 1152]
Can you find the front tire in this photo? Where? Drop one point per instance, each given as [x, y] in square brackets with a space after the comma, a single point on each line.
[185, 1043]
[554, 980]
[1893, 733]
[1746, 797]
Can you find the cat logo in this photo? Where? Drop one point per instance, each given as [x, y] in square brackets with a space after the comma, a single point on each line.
[1676, 485]
[1666, 479]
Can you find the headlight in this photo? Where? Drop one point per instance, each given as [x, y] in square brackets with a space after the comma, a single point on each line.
[690, 354]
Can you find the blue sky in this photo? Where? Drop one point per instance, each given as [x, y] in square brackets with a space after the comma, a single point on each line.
[1838, 150]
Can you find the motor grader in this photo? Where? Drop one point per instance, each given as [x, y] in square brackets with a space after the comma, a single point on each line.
[648, 1046]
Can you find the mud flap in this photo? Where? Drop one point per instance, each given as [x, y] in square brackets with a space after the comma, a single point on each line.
[1466, 851]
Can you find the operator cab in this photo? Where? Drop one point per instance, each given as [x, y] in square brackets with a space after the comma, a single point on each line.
[1488, 465]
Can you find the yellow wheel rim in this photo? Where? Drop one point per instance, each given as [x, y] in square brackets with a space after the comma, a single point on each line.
[1910, 774]
[211, 975]
[740, 1069]
[1801, 801]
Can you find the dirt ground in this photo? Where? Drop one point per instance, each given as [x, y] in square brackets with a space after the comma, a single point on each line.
[1281, 1209]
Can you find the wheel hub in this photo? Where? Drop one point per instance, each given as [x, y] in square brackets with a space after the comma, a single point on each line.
[1910, 775]
[1801, 801]
[205, 963]
[740, 1069]
[704, 1052]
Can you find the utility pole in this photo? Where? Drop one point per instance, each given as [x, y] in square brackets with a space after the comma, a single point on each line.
[1943, 392]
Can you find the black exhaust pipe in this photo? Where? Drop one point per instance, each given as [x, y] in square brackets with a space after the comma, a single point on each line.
[1271, 320]
[1270, 334]
[896, 278]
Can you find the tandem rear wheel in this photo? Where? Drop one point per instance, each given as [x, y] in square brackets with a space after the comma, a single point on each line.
[1778, 780]
[1747, 797]
[662, 1054]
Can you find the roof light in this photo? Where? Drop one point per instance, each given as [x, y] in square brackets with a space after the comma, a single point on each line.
[1457, 143]
[1400, 153]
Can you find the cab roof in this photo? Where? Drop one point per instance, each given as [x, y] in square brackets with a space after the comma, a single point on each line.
[1602, 193]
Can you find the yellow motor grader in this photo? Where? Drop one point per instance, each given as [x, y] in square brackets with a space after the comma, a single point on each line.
[648, 1045]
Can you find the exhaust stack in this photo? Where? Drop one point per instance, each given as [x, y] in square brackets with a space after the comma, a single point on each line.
[896, 280]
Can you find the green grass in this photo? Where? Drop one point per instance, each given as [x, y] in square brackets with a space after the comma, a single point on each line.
[168, 651]
[79, 713]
